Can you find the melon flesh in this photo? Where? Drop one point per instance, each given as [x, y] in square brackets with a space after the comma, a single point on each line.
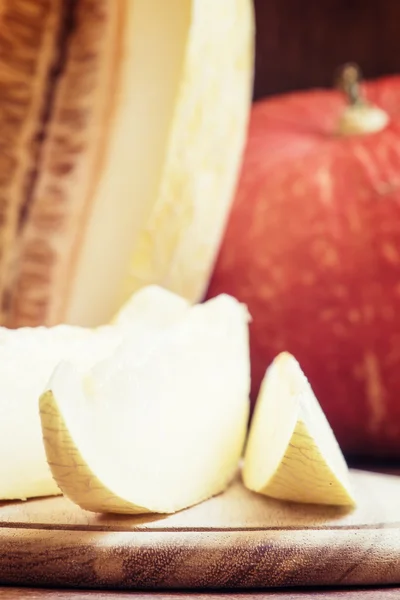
[174, 148]
[124, 140]
[151, 306]
[292, 453]
[28, 356]
[161, 424]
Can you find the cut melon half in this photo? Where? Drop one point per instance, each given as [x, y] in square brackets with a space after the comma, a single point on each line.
[161, 424]
[124, 150]
[292, 453]
[169, 155]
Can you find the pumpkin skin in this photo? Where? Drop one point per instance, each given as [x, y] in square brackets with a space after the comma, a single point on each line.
[312, 246]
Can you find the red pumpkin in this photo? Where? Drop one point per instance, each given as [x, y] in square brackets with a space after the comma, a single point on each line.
[313, 248]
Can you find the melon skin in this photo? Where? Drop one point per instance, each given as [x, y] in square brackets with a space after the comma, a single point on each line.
[312, 247]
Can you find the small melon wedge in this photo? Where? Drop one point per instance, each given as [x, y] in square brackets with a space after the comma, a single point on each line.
[159, 426]
[291, 452]
[28, 357]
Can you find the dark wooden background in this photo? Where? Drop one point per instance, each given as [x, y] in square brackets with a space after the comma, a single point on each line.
[300, 43]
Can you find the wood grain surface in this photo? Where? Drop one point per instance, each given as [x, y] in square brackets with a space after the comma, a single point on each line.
[315, 594]
[237, 540]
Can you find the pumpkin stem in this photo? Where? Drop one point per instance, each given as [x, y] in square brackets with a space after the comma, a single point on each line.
[349, 82]
[359, 117]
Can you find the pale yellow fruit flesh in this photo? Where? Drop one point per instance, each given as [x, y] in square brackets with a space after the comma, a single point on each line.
[154, 37]
[161, 425]
[28, 357]
[152, 305]
[124, 123]
[292, 453]
[173, 153]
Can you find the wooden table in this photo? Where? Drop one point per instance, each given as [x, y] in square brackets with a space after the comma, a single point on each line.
[355, 594]
[370, 593]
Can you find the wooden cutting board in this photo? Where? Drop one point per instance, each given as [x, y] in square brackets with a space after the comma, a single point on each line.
[236, 540]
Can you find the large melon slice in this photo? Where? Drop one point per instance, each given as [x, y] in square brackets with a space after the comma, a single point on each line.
[292, 453]
[122, 129]
[28, 356]
[160, 425]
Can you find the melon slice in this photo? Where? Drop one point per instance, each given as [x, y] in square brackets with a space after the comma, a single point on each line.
[161, 424]
[125, 122]
[292, 453]
[151, 306]
[28, 357]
